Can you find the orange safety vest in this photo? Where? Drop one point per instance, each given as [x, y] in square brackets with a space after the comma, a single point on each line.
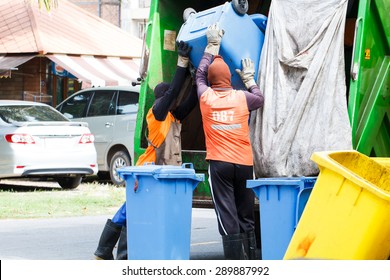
[164, 141]
[225, 117]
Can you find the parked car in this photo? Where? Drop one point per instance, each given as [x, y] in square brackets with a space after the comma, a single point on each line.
[38, 141]
[111, 114]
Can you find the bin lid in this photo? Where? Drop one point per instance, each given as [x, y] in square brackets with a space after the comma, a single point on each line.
[304, 182]
[186, 170]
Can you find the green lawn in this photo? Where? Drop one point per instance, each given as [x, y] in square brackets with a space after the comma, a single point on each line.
[87, 199]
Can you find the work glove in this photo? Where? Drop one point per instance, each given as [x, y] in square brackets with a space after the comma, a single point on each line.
[183, 50]
[214, 37]
[247, 73]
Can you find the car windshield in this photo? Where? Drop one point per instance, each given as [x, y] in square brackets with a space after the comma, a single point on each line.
[29, 113]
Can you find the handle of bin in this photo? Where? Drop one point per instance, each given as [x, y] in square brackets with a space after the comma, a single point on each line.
[297, 206]
[302, 189]
[184, 165]
[194, 177]
[167, 176]
[260, 21]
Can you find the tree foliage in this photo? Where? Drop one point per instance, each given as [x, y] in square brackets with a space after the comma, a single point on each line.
[49, 4]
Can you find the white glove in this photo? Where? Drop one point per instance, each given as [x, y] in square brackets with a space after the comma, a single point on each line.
[248, 72]
[214, 36]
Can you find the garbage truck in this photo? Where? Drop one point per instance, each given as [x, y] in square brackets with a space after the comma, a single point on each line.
[366, 51]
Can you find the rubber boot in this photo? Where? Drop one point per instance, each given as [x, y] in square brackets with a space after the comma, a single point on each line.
[107, 241]
[121, 253]
[250, 245]
[233, 247]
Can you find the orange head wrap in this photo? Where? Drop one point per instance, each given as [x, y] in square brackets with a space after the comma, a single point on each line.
[219, 74]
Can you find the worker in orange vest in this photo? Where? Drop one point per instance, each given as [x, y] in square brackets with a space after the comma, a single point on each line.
[164, 127]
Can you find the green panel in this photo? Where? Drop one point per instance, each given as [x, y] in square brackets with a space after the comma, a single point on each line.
[369, 97]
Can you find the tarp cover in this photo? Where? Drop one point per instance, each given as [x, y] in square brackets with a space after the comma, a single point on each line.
[302, 76]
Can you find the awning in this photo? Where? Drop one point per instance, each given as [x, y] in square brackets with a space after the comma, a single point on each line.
[99, 71]
[10, 62]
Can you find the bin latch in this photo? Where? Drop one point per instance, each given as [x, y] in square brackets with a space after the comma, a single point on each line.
[190, 164]
[135, 183]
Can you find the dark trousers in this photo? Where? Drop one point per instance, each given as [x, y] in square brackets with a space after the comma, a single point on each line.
[234, 203]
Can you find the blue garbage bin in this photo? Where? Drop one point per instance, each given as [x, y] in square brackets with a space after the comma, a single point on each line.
[159, 212]
[243, 38]
[281, 203]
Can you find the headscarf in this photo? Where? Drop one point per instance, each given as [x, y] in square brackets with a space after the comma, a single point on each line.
[219, 74]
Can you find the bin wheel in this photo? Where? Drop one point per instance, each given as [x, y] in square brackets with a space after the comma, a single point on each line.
[187, 12]
[240, 6]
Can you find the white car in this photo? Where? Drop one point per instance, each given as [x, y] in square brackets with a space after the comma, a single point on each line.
[38, 141]
[111, 114]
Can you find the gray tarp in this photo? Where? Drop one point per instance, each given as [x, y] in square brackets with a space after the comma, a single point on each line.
[302, 76]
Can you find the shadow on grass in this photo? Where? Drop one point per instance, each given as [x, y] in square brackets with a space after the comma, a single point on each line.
[26, 187]
[37, 184]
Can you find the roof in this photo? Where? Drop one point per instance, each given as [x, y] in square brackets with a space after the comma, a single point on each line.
[67, 29]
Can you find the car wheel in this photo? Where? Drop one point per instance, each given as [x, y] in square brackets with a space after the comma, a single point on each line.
[119, 159]
[69, 182]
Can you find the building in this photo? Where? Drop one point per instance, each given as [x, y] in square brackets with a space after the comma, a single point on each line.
[130, 15]
[47, 56]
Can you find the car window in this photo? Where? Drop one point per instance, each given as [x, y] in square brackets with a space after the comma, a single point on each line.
[76, 106]
[30, 113]
[127, 102]
[103, 103]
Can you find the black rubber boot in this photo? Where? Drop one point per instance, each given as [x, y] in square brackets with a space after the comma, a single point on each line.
[233, 247]
[107, 242]
[121, 253]
[250, 245]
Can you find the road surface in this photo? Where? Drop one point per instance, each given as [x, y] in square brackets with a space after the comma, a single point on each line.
[76, 238]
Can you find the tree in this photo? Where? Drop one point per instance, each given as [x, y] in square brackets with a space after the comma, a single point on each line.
[49, 4]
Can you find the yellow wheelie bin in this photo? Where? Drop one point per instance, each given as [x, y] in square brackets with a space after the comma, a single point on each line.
[347, 216]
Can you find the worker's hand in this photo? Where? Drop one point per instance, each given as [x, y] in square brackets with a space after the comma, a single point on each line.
[247, 73]
[183, 50]
[214, 37]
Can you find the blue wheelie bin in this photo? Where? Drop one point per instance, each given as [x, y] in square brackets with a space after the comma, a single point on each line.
[243, 38]
[281, 203]
[159, 212]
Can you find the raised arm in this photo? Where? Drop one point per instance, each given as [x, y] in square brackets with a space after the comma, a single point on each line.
[214, 37]
[254, 97]
[162, 105]
[185, 108]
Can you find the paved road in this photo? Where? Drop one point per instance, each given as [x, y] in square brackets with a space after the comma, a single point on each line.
[76, 238]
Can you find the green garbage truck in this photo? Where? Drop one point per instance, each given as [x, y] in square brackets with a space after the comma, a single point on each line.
[367, 60]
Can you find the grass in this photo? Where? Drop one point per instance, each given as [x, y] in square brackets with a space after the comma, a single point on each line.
[87, 199]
